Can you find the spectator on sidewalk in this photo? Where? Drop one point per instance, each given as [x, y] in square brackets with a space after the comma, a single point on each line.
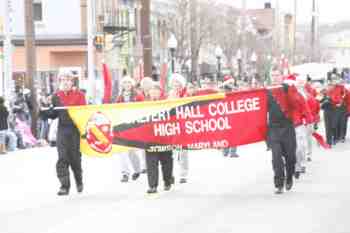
[3, 125]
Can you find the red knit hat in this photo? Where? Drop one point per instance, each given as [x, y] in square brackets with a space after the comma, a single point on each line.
[290, 79]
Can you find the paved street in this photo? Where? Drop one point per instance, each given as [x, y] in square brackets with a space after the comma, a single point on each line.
[223, 195]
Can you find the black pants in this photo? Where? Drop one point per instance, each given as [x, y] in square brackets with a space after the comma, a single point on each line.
[152, 161]
[68, 147]
[283, 146]
[343, 122]
[329, 122]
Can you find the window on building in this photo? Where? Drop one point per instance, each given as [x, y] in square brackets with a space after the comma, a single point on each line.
[37, 11]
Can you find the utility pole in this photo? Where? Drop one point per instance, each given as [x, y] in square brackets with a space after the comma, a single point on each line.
[7, 61]
[243, 34]
[146, 37]
[91, 92]
[194, 36]
[313, 32]
[31, 60]
[295, 31]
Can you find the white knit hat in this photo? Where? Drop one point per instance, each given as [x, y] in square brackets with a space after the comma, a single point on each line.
[127, 79]
[179, 78]
[65, 74]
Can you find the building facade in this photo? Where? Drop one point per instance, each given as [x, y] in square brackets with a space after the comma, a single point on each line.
[60, 28]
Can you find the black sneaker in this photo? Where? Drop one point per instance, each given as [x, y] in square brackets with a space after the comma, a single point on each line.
[144, 171]
[309, 159]
[289, 184]
[183, 181]
[152, 190]
[234, 156]
[135, 176]
[279, 190]
[167, 187]
[80, 188]
[63, 191]
[124, 179]
[297, 175]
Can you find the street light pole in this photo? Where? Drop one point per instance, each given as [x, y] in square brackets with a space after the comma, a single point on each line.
[31, 60]
[218, 54]
[295, 31]
[172, 51]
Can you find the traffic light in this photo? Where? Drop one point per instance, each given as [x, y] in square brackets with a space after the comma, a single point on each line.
[99, 42]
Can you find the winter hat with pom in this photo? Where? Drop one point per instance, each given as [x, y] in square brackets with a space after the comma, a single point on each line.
[179, 78]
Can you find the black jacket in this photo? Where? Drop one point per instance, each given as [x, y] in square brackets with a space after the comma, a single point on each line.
[3, 118]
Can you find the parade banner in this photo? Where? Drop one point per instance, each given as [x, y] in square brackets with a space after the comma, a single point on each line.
[203, 122]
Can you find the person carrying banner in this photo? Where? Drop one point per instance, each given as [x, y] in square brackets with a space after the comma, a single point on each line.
[282, 106]
[4, 114]
[129, 94]
[68, 138]
[228, 86]
[178, 90]
[153, 158]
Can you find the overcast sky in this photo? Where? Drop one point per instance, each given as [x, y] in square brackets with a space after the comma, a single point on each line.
[330, 10]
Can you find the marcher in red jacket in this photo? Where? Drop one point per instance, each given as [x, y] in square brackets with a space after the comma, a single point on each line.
[129, 94]
[308, 87]
[178, 90]
[314, 107]
[337, 96]
[68, 137]
[153, 158]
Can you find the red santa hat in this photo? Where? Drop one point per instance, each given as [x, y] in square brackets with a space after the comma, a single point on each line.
[290, 79]
[228, 79]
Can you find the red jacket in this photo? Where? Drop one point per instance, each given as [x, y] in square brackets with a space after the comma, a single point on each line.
[300, 111]
[314, 107]
[347, 100]
[135, 98]
[71, 98]
[310, 90]
[337, 95]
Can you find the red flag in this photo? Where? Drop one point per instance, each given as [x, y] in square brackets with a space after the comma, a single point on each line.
[321, 141]
[107, 96]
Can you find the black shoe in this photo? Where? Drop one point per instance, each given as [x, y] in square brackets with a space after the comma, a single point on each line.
[289, 184]
[124, 179]
[303, 170]
[279, 190]
[63, 191]
[80, 188]
[144, 171]
[343, 140]
[234, 156]
[309, 159]
[183, 181]
[152, 190]
[297, 175]
[135, 176]
[167, 187]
